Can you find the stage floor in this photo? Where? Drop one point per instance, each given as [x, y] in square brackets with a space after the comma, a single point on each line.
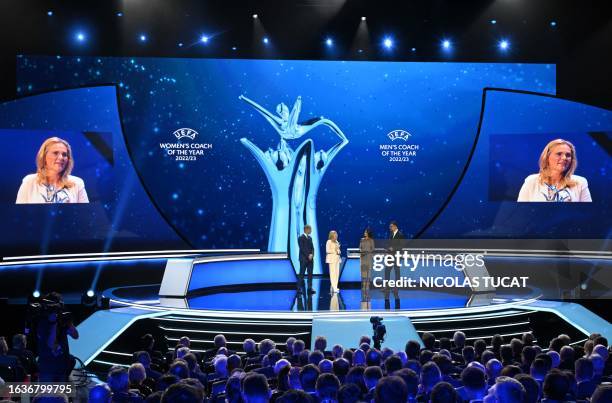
[259, 298]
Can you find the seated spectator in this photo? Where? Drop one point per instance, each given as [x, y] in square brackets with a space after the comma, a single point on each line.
[426, 356]
[26, 357]
[598, 367]
[359, 358]
[505, 390]
[469, 354]
[556, 344]
[555, 358]
[411, 379]
[298, 347]
[341, 368]
[459, 342]
[385, 353]
[182, 351]
[365, 340]
[220, 368]
[165, 381]
[355, 376]
[255, 389]
[265, 346]
[527, 356]
[371, 376]
[337, 351]
[349, 393]
[181, 392]
[320, 344]
[194, 369]
[493, 370]
[303, 357]
[232, 388]
[510, 371]
[327, 388]
[538, 370]
[219, 342]
[486, 357]
[391, 389]
[289, 346]
[199, 387]
[415, 366]
[528, 339]
[179, 368]
[447, 369]
[308, 378]
[392, 364]
[430, 375]
[373, 358]
[233, 362]
[118, 382]
[315, 357]
[429, 341]
[348, 355]
[100, 394]
[283, 382]
[144, 358]
[556, 386]
[480, 346]
[443, 392]
[148, 344]
[326, 366]
[603, 394]
[507, 355]
[136, 377]
[251, 355]
[532, 387]
[474, 384]
[567, 355]
[413, 349]
[10, 361]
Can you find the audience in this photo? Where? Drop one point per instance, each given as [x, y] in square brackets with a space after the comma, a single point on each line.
[428, 370]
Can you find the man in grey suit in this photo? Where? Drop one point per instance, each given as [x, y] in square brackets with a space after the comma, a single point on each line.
[306, 259]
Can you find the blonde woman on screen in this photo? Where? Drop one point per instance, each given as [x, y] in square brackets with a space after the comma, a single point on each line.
[556, 181]
[332, 249]
[52, 182]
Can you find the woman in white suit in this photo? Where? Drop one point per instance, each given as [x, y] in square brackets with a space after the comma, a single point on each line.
[332, 249]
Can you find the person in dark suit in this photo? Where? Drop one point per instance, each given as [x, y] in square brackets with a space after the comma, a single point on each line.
[395, 244]
[306, 248]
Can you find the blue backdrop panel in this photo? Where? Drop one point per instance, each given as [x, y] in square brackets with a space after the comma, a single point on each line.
[223, 199]
[222, 273]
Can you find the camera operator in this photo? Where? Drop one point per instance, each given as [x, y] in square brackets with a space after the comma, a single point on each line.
[53, 327]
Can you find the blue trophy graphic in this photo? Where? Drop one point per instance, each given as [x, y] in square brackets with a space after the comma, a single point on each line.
[294, 176]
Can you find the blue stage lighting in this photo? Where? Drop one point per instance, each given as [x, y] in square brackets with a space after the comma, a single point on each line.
[413, 50]
[493, 22]
[204, 39]
[388, 43]
[255, 16]
[553, 24]
[363, 18]
[36, 294]
[49, 13]
[446, 44]
[503, 45]
[90, 293]
[119, 14]
[265, 40]
[80, 36]
[329, 42]
[180, 44]
[143, 38]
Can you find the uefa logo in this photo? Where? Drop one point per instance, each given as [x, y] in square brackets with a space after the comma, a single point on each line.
[398, 134]
[185, 132]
